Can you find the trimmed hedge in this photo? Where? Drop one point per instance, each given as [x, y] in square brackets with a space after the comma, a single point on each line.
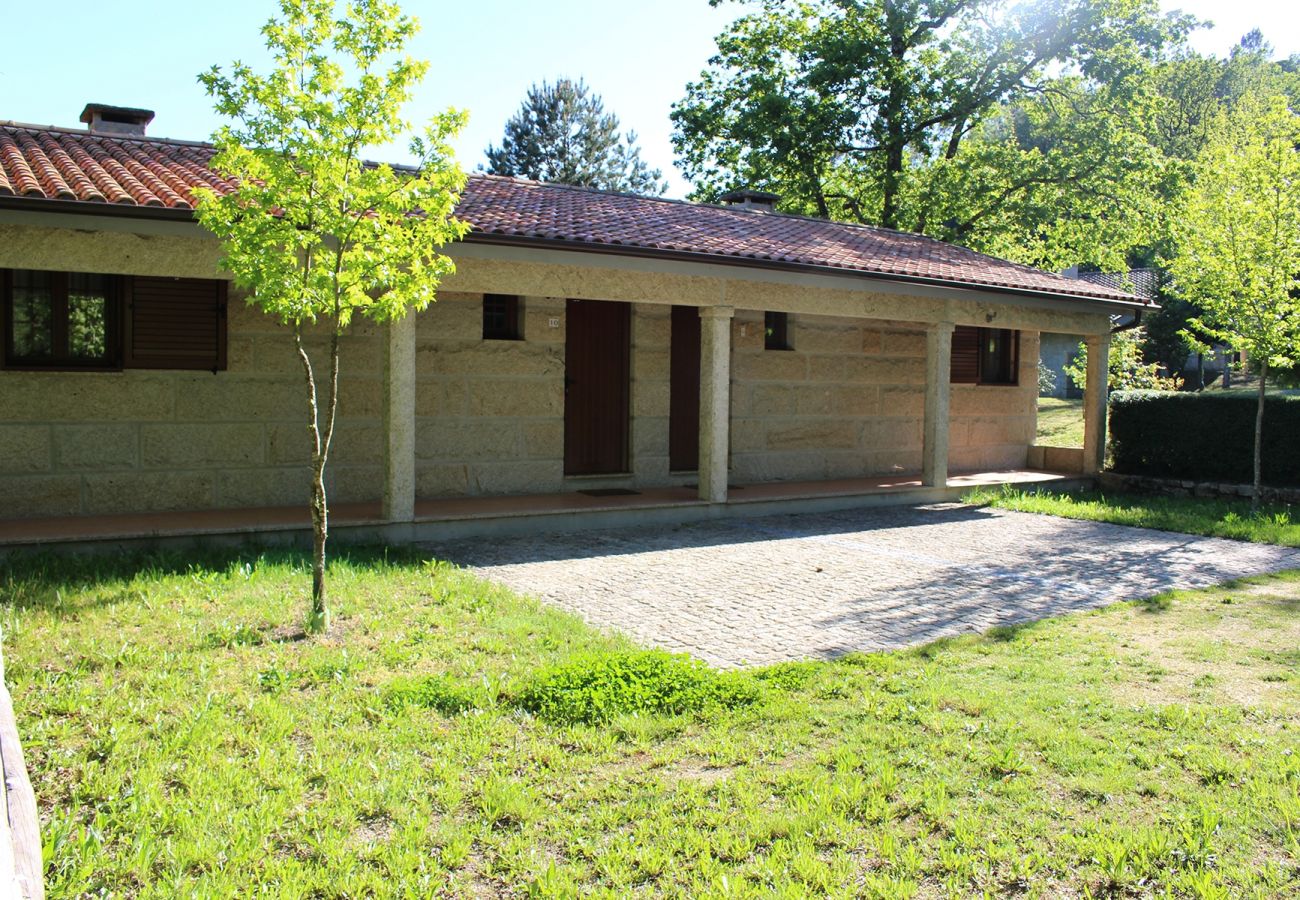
[1204, 436]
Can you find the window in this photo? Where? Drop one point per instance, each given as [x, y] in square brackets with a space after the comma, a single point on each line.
[73, 320]
[61, 319]
[985, 355]
[776, 331]
[501, 318]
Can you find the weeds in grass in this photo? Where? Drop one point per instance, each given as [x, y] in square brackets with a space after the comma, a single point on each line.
[596, 688]
[449, 696]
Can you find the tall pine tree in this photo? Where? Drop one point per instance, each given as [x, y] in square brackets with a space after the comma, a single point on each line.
[562, 134]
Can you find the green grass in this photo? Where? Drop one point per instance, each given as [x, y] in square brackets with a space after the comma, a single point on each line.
[186, 740]
[1060, 422]
[1189, 515]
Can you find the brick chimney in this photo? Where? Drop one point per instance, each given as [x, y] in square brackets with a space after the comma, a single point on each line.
[750, 199]
[100, 118]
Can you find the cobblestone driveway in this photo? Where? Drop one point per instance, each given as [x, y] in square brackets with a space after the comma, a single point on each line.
[755, 591]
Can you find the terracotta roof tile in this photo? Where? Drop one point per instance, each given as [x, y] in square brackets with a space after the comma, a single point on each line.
[59, 164]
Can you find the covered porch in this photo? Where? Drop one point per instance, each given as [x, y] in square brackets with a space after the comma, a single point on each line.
[449, 518]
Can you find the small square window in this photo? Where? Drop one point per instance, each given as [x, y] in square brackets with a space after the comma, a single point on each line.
[501, 318]
[998, 355]
[776, 331]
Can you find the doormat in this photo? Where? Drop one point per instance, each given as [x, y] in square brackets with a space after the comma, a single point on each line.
[610, 492]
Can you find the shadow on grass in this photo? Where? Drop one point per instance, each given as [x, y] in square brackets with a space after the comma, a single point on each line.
[50, 581]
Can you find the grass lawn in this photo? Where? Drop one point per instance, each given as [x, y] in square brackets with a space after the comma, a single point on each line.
[451, 739]
[1060, 422]
[1190, 515]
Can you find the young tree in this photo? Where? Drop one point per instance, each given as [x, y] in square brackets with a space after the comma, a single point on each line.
[562, 134]
[314, 233]
[1238, 240]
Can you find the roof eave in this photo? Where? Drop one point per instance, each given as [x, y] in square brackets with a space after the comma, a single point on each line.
[163, 213]
[748, 262]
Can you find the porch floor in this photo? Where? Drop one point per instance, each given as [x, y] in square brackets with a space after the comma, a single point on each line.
[347, 516]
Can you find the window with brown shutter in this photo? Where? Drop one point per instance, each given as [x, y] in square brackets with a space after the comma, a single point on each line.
[76, 320]
[985, 355]
[176, 323]
[965, 355]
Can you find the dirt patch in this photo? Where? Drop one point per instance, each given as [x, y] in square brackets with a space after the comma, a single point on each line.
[372, 830]
[700, 772]
[1166, 665]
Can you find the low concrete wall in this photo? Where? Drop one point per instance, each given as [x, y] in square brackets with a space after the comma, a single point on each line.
[1068, 460]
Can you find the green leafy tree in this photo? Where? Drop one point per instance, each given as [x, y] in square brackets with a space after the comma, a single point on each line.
[882, 111]
[1237, 240]
[1126, 370]
[314, 233]
[562, 134]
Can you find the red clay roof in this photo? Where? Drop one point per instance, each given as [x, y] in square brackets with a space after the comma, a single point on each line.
[40, 163]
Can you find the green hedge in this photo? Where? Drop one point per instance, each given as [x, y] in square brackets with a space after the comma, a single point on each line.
[1204, 436]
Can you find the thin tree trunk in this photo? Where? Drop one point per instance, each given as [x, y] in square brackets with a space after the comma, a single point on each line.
[1259, 437]
[318, 620]
[895, 142]
[318, 616]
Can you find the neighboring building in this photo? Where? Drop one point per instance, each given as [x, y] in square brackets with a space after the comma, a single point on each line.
[588, 341]
[1056, 351]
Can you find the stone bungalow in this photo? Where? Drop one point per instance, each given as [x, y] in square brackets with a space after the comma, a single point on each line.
[594, 353]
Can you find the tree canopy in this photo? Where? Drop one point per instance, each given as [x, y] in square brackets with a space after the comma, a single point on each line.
[312, 231]
[1003, 127]
[563, 134]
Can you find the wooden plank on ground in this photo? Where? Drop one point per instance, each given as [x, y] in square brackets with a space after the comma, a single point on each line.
[21, 853]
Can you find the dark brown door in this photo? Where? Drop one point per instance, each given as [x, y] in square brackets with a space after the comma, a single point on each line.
[684, 391]
[597, 354]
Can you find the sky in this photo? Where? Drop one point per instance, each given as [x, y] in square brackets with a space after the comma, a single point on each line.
[484, 55]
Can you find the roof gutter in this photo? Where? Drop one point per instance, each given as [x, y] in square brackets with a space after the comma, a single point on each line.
[87, 208]
[125, 211]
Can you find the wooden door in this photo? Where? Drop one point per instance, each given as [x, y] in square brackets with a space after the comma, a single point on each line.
[597, 356]
[684, 391]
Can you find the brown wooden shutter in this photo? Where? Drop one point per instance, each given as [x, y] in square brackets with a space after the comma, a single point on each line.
[965, 355]
[176, 323]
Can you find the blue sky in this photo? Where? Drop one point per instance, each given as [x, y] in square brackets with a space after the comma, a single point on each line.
[484, 55]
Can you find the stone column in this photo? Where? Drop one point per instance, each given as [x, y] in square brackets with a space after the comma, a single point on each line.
[715, 400]
[938, 390]
[399, 420]
[1094, 403]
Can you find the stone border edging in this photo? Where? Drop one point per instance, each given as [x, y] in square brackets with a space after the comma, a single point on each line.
[1175, 487]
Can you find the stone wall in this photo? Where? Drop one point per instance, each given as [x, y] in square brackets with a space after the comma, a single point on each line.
[136, 441]
[490, 414]
[848, 401]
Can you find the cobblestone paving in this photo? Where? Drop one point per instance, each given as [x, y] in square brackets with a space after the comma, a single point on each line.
[756, 591]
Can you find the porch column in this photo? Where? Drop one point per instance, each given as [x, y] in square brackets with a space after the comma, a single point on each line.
[715, 400]
[399, 420]
[1094, 403]
[938, 390]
